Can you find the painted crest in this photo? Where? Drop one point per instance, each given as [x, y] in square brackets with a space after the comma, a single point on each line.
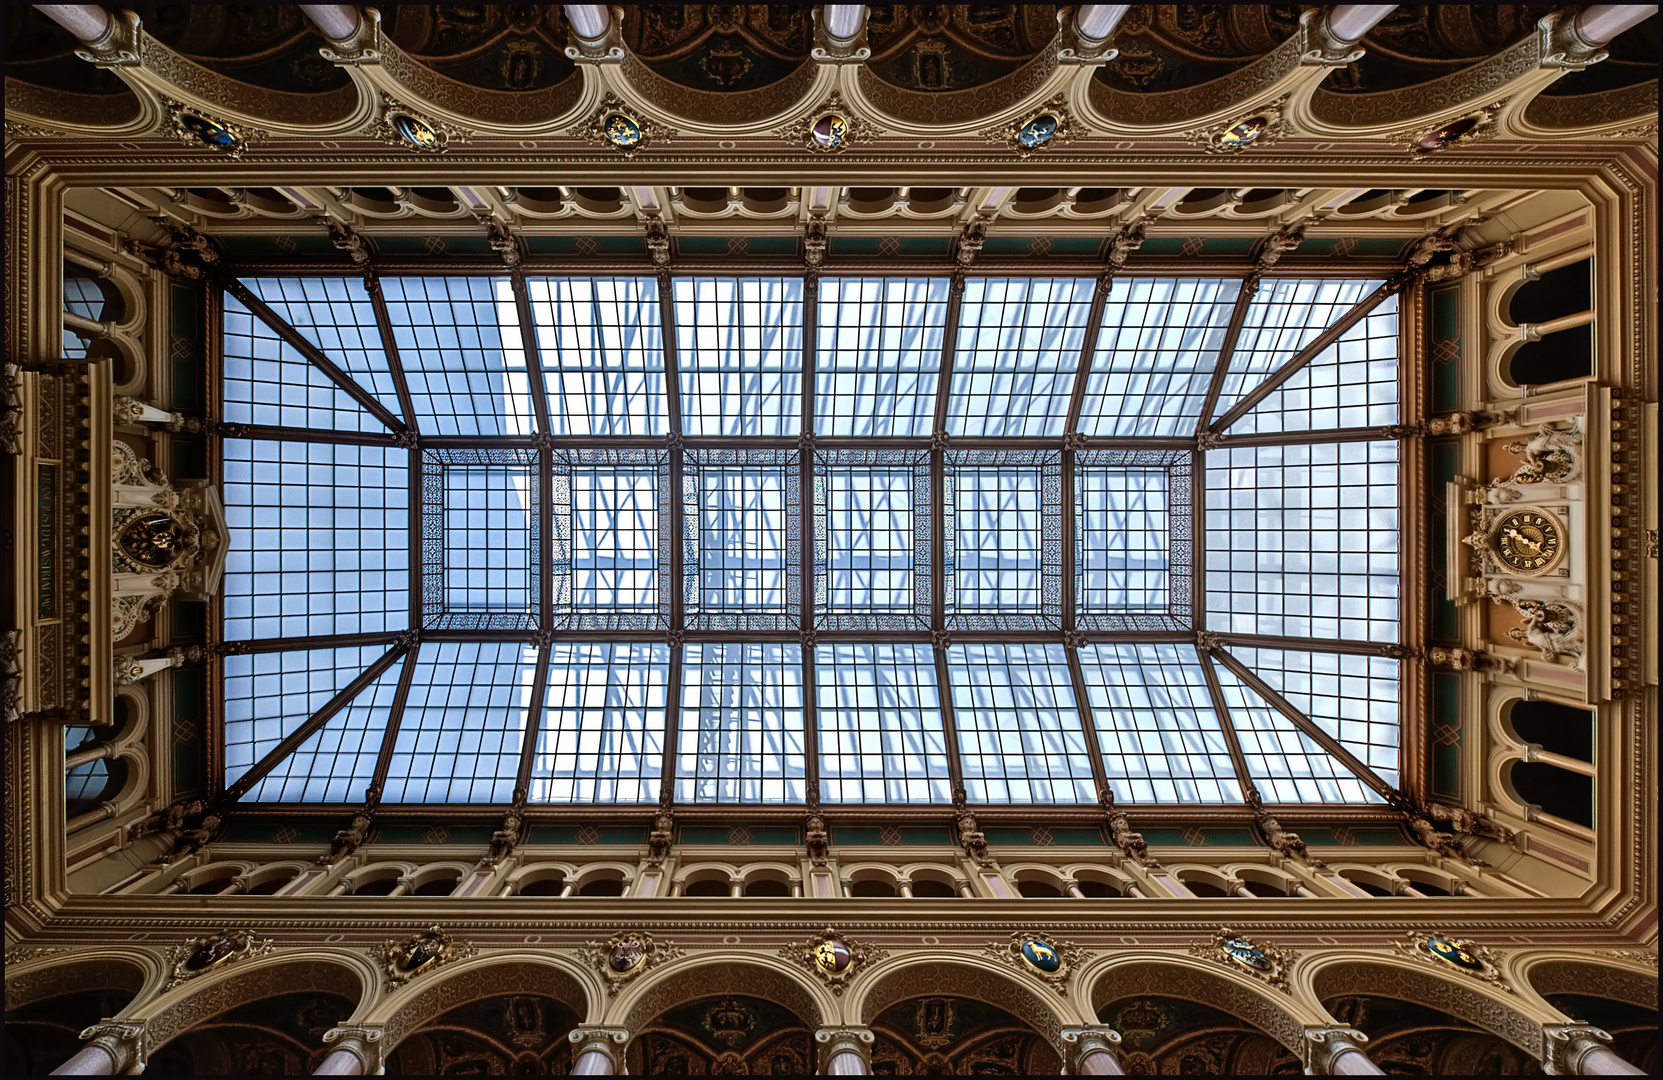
[835, 958]
[830, 129]
[405, 958]
[627, 954]
[1446, 951]
[1039, 953]
[621, 128]
[1039, 131]
[401, 125]
[1261, 959]
[1261, 126]
[211, 952]
[1474, 126]
[197, 128]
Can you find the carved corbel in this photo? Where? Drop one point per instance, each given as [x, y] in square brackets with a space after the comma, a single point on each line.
[1127, 240]
[1323, 1045]
[1568, 1045]
[363, 1043]
[658, 240]
[972, 239]
[123, 1040]
[1320, 47]
[1280, 242]
[1561, 45]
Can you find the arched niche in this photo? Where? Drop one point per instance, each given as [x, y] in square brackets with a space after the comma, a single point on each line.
[49, 1004]
[923, 977]
[201, 1003]
[517, 1034]
[1558, 791]
[732, 1034]
[1561, 729]
[949, 1034]
[1254, 1004]
[1456, 996]
[1563, 291]
[277, 1035]
[421, 1002]
[698, 977]
[1164, 1035]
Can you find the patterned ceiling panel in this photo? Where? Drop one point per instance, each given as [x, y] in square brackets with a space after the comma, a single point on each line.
[955, 46]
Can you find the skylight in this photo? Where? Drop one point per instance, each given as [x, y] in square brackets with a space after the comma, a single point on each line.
[672, 596]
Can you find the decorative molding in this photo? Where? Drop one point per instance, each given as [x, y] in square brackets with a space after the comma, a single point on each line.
[1042, 954]
[1455, 954]
[627, 955]
[402, 959]
[211, 952]
[1238, 952]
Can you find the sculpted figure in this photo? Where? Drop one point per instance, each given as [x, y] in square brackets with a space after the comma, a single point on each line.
[503, 841]
[1552, 628]
[661, 837]
[817, 839]
[347, 840]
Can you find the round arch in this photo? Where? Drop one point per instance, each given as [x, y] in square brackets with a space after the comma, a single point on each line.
[1459, 996]
[133, 972]
[1274, 1013]
[429, 997]
[930, 976]
[1561, 974]
[177, 1011]
[696, 977]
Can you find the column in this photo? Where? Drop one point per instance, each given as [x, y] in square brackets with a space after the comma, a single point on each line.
[357, 1052]
[1581, 1050]
[1336, 1050]
[1090, 1051]
[845, 1051]
[88, 22]
[1597, 24]
[598, 1051]
[1349, 22]
[1095, 22]
[589, 21]
[843, 22]
[337, 21]
[117, 1047]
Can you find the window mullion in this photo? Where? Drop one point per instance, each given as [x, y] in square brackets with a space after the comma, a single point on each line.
[806, 574]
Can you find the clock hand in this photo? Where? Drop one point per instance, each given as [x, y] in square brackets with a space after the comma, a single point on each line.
[1523, 541]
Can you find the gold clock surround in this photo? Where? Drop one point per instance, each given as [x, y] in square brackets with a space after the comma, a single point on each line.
[1536, 527]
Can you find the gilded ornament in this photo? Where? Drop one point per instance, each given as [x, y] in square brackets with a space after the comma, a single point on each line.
[153, 540]
[1256, 129]
[198, 956]
[404, 959]
[1529, 541]
[626, 955]
[834, 957]
[1039, 953]
[196, 128]
[1445, 951]
[830, 129]
[1473, 126]
[621, 129]
[1261, 959]
[1040, 131]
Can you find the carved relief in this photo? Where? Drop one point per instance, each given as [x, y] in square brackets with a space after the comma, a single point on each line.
[1260, 959]
[628, 954]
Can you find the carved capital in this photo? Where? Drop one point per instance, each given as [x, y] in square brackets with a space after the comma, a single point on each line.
[1568, 1044]
[844, 1040]
[363, 1043]
[1563, 47]
[123, 1040]
[606, 1041]
[360, 46]
[1323, 1044]
[119, 45]
[1080, 1043]
[1318, 47]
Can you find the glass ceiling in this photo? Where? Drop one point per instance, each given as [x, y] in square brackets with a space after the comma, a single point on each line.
[595, 555]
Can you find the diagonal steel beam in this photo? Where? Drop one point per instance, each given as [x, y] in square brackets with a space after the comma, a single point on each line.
[949, 348]
[395, 720]
[1304, 724]
[1306, 438]
[312, 353]
[389, 346]
[1227, 349]
[533, 722]
[1088, 351]
[533, 354]
[1088, 721]
[1232, 741]
[310, 727]
[1308, 353]
[321, 641]
[334, 436]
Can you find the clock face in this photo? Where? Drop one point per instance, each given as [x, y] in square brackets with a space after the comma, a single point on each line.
[1529, 541]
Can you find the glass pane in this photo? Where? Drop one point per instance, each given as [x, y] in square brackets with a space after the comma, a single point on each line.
[1018, 350]
[83, 297]
[741, 723]
[1284, 762]
[1155, 355]
[337, 763]
[1286, 315]
[268, 696]
[1352, 383]
[880, 728]
[870, 539]
[336, 315]
[997, 524]
[490, 538]
[464, 722]
[878, 346]
[1122, 525]
[463, 354]
[319, 539]
[1161, 738]
[742, 548]
[1302, 541]
[602, 733]
[1020, 738]
[614, 539]
[601, 344]
[1355, 699]
[268, 382]
[739, 346]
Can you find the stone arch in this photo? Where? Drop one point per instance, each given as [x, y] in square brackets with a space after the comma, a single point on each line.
[1574, 975]
[50, 976]
[1462, 997]
[429, 997]
[696, 977]
[176, 1012]
[1272, 1012]
[926, 976]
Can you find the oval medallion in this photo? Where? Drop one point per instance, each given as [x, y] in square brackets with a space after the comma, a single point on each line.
[153, 540]
[1454, 953]
[626, 956]
[833, 957]
[1037, 131]
[419, 954]
[1243, 133]
[1041, 956]
[416, 131]
[212, 132]
[1247, 954]
[830, 131]
[211, 953]
[1450, 132]
[621, 130]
